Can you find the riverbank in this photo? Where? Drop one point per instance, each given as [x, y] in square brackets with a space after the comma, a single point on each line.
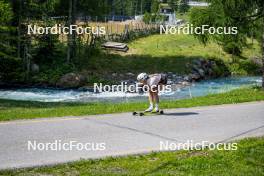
[246, 160]
[179, 55]
[15, 110]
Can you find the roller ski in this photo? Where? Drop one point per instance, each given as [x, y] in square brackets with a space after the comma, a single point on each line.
[146, 113]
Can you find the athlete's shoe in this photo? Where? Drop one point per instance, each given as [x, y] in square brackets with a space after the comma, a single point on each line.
[156, 109]
[149, 109]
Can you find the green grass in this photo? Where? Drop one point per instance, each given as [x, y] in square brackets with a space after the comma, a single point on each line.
[137, 63]
[247, 160]
[13, 110]
[185, 45]
[163, 53]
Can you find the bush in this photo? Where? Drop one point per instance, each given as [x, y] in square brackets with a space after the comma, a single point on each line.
[11, 70]
[236, 69]
[183, 6]
[232, 48]
[244, 67]
[220, 68]
[147, 18]
[50, 75]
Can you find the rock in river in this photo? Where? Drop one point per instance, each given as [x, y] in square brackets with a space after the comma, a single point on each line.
[71, 80]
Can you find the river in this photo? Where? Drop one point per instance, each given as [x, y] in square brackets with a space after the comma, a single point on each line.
[202, 88]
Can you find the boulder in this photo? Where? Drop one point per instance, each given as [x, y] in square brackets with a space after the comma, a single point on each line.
[130, 74]
[197, 62]
[195, 68]
[186, 83]
[201, 72]
[71, 80]
[169, 73]
[114, 75]
[210, 72]
[187, 78]
[178, 79]
[174, 76]
[169, 82]
[128, 81]
[195, 77]
[34, 68]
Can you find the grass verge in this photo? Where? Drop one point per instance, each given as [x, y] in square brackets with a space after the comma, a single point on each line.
[248, 159]
[13, 110]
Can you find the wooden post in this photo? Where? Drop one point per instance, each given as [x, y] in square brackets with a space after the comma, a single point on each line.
[111, 28]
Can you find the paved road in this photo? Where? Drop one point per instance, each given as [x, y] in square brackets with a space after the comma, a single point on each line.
[123, 134]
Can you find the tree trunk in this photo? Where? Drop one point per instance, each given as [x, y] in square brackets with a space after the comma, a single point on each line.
[69, 35]
[27, 61]
[19, 31]
[74, 35]
[263, 54]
